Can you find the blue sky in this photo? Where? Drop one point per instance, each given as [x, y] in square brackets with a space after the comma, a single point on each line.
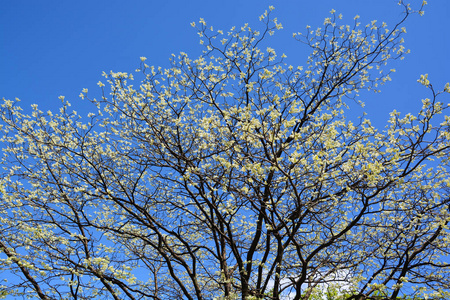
[51, 48]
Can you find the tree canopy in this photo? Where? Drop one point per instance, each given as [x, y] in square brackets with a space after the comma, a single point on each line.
[232, 176]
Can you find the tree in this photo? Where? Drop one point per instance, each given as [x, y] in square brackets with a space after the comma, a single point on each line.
[232, 176]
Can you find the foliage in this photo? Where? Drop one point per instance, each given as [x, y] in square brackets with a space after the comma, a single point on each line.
[233, 175]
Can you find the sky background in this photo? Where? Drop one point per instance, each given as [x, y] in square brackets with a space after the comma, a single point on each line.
[53, 48]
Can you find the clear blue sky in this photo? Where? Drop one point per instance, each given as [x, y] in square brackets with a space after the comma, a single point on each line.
[51, 48]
